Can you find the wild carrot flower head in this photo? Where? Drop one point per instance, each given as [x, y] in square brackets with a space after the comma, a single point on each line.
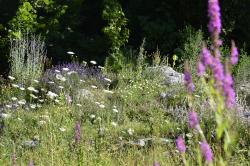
[214, 25]
[180, 144]
[234, 54]
[193, 119]
[206, 151]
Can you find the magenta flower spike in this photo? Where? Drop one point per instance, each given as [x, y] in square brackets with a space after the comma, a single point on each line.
[206, 151]
[218, 71]
[205, 60]
[180, 144]
[193, 119]
[214, 25]
[229, 93]
[188, 80]
[234, 54]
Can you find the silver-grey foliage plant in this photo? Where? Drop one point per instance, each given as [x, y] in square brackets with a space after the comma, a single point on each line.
[27, 57]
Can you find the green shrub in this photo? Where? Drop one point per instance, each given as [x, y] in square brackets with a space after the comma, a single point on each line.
[192, 42]
[116, 31]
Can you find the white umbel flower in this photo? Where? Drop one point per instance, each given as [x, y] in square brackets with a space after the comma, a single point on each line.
[70, 53]
[93, 62]
[51, 95]
[11, 78]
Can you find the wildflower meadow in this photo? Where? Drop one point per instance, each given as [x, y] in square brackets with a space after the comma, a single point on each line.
[135, 108]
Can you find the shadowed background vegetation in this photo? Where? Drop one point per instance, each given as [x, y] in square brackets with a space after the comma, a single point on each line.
[78, 25]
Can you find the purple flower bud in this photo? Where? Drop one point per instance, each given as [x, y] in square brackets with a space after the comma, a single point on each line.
[180, 144]
[188, 81]
[234, 54]
[229, 93]
[193, 119]
[77, 132]
[214, 25]
[206, 151]
[156, 163]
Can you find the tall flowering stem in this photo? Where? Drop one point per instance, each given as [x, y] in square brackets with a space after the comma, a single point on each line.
[77, 132]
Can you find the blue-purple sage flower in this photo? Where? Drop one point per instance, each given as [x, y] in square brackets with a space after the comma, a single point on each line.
[214, 25]
[193, 120]
[228, 90]
[77, 132]
[188, 81]
[234, 54]
[206, 151]
[180, 144]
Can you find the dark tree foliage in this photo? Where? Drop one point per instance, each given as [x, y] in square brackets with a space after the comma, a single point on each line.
[80, 27]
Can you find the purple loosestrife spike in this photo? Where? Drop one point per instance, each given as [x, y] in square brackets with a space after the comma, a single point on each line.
[77, 132]
[200, 68]
[156, 163]
[193, 119]
[234, 54]
[217, 70]
[188, 81]
[205, 59]
[205, 56]
[180, 144]
[229, 93]
[214, 25]
[206, 151]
